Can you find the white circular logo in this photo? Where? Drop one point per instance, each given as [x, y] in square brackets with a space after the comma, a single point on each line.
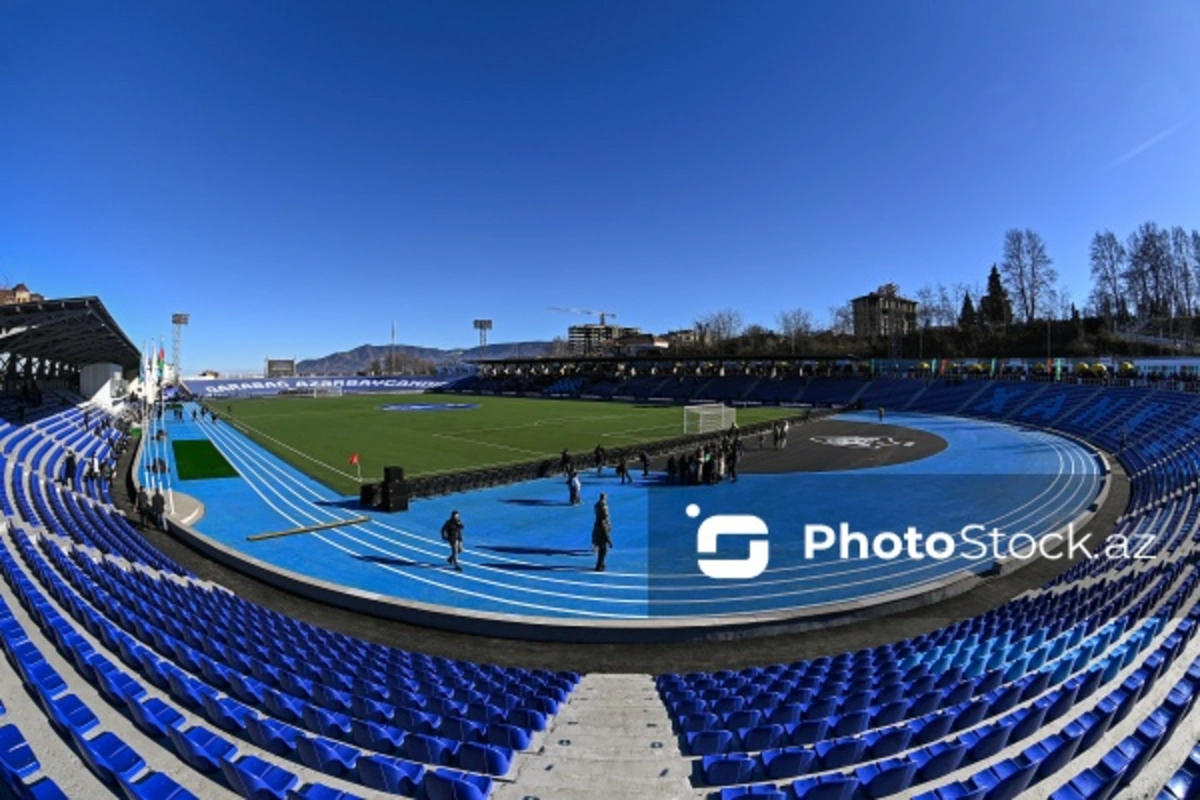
[862, 442]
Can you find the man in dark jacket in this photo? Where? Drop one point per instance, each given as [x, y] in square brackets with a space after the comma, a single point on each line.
[602, 532]
[158, 505]
[69, 469]
[452, 534]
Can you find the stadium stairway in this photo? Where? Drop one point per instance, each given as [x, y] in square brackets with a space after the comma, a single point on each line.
[613, 740]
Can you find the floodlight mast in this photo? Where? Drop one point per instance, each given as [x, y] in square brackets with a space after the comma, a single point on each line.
[483, 326]
[178, 321]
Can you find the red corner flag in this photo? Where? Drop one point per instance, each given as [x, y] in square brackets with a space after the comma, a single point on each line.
[354, 459]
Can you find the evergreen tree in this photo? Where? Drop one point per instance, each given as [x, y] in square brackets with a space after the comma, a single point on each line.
[995, 308]
[966, 316]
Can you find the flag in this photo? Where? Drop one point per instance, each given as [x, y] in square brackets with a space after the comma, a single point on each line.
[353, 459]
[162, 362]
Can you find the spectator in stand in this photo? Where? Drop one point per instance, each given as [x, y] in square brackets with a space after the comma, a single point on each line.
[671, 468]
[69, 470]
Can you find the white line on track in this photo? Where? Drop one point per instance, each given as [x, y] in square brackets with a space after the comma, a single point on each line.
[1055, 442]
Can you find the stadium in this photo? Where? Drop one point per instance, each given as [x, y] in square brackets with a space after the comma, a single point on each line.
[940, 543]
[285, 635]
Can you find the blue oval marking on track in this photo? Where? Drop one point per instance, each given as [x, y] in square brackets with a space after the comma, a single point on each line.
[428, 406]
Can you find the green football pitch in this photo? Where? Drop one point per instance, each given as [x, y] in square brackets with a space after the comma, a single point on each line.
[318, 435]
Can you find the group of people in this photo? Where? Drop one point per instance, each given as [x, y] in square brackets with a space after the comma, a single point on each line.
[452, 534]
[709, 464]
[152, 508]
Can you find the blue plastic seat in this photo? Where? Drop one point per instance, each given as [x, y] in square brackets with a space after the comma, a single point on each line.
[884, 778]
[838, 753]
[451, 785]
[826, 787]
[810, 731]
[484, 759]
[726, 770]
[763, 737]
[707, 743]
[380, 738]
[788, 762]
[938, 759]
[155, 786]
[392, 775]
[881, 744]
[108, 756]
[762, 792]
[202, 749]
[272, 735]
[154, 716]
[255, 779]
[326, 755]
[319, 791]
[429, 749]
[509, 736]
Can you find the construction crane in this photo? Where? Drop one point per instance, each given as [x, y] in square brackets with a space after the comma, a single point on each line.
[604, 315]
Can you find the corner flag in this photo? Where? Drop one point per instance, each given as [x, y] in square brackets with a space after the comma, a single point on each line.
[353, 459]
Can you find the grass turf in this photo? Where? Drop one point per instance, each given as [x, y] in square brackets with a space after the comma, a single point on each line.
[196, 459]
[318, 435]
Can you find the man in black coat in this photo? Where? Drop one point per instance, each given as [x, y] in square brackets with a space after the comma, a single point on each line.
[69, 469]
[452, 534]
[602, 532]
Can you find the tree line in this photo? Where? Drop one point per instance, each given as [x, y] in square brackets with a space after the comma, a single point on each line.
[1148, 282]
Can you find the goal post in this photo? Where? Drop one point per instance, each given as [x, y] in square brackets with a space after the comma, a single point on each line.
[708, 418]
[327, 391]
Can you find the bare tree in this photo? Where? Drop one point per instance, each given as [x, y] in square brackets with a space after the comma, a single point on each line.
[1181, 271]
[1108, 267]
[841, 319]
[1028, 272]
[926, 298]
[720, 326]
[794, 324]
[1149, 262]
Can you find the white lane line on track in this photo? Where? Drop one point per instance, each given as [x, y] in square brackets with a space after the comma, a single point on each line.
[1056, 442]
[250, 471]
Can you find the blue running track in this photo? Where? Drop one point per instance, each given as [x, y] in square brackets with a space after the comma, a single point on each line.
[528, 553]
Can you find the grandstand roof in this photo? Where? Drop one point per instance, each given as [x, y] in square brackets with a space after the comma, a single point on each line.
[75, 331]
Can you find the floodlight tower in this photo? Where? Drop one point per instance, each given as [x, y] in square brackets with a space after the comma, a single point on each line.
[483, 326]
[178, 321]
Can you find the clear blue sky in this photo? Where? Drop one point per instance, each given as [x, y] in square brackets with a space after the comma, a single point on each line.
[297, 174]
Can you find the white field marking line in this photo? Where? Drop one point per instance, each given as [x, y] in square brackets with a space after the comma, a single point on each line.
[238, 423]
[630, 431]
[478, 442]
[538, 423]
[312, 516]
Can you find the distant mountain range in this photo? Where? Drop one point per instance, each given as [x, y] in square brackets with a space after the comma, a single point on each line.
[361, 358]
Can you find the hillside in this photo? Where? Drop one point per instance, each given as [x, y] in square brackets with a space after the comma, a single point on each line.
[360, 358]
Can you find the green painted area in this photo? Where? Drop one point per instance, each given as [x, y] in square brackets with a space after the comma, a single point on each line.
[196, 459]
[318, 435]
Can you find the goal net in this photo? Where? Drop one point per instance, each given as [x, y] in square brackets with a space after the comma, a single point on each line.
[327, 391]
[708, 418]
